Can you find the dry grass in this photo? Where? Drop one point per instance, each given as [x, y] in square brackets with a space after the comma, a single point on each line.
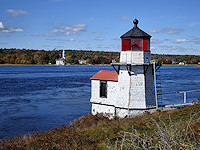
[173, 135]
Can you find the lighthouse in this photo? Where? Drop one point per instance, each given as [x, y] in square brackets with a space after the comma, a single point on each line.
[129, 90]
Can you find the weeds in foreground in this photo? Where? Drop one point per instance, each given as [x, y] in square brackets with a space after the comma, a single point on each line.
[174, 135]
[175, 129]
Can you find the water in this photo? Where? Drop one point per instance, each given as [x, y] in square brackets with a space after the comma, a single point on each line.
[179, 78]
[38, 98]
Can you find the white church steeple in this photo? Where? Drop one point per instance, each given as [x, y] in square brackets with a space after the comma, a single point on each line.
[63, 54]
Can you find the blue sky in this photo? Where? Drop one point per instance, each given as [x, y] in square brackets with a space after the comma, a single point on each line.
[98, 24]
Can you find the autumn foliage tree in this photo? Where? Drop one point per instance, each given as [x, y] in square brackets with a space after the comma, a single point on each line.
[26, 56]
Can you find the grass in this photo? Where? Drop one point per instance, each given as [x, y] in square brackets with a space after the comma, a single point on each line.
[177, 129]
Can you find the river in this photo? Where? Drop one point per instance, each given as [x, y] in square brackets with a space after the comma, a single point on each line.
[36, 98]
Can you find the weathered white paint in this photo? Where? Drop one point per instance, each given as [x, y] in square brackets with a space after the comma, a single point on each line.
[111, 93]
[133, 112]
[135, 57]
[108, 111]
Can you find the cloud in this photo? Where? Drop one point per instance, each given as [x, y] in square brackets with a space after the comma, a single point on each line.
[175, 31]
[70, 40]
[123, 18]
[3, 43]
[181, 41]
[155, 41]
[196, 40]
[116, 39]
[152, 48]
[172, 48]
[42, 35]
[16, 12]
[99, 39]
[71, 29]
[97, 32]
[9, 29]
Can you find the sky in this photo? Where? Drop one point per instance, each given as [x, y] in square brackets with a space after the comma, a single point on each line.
[98, 24]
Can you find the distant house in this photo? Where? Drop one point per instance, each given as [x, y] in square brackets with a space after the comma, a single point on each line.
[82, 62]
[113, 61]
[61, 61]
[181, 63]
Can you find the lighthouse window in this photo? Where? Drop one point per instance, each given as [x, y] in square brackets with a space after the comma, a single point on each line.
[126, 45]
[146, 45]
[103, 89]
[136, 44]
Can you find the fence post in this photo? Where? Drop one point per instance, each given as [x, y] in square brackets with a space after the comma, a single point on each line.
[155, 88]
[185, 97]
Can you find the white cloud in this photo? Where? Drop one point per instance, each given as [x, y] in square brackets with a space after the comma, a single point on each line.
[196, 40]
[181, 40]
[152, 48]
[155, 41]
[97, 32]
[99, 39]
[1, 25]
[16, 12]
[172, 48]
[123, 18]
[67, 33]
[167, 31]
[9, 29]
[70, 40]
[42, 35]
[117, 39]
[71, 29]
[154, 31]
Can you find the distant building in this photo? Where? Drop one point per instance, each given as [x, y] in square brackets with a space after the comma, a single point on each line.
[82, 62]
[181, 63]
[61, 61]
[113, 61]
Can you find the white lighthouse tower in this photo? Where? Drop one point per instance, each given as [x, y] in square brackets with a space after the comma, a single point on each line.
[129, 90]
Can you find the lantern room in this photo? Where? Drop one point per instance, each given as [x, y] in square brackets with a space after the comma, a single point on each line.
[135, 39]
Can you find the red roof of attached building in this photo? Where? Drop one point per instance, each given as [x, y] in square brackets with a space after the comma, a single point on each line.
[105, 75]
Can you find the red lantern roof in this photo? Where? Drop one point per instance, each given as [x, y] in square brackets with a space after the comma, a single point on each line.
[105, 75]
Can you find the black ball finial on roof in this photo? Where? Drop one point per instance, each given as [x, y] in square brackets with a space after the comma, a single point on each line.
[135, 32]
[135, 22]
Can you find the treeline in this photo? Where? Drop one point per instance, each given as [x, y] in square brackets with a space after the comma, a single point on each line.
[26, 56]
[175, 59]
[23, 56]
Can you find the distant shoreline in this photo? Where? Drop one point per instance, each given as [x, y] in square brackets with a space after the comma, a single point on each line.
[51, 65]
[86, 65]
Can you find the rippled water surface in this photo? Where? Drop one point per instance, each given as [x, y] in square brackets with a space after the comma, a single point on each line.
[38, 98]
